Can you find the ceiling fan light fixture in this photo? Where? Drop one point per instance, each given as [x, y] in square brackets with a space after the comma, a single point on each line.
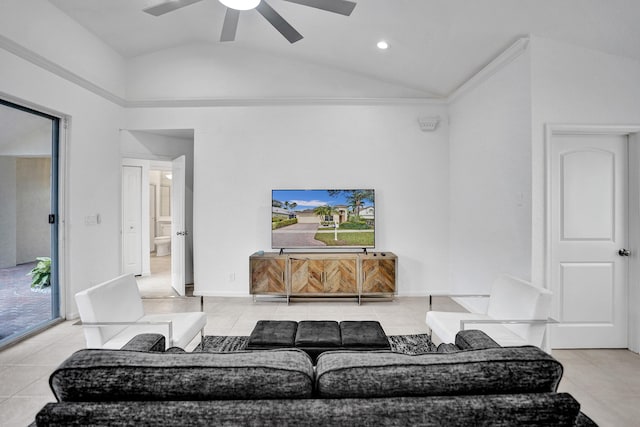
[241, 4]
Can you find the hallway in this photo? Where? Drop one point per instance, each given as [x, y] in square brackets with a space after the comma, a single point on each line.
[158, 284]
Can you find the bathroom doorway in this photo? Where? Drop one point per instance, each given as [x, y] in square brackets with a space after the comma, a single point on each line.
[158, 282]
[156, 151]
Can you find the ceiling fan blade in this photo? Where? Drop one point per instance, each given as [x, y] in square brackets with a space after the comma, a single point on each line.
[343, 7]
[278, 22]
[168, 6]
[230, 25]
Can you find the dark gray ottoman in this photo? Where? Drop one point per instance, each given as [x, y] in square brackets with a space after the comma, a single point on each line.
[269, 334]
[363, 335]
[318, 336]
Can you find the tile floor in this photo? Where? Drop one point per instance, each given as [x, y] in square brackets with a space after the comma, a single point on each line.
[605, 382]
[158, 284]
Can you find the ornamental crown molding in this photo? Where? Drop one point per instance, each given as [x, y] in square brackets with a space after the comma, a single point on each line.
[48, 65]
[501, 61]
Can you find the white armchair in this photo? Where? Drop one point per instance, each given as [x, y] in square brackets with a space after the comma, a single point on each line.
[517, 314]
[112, 313]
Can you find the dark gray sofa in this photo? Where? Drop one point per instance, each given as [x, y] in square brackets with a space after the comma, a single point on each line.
[472, 382]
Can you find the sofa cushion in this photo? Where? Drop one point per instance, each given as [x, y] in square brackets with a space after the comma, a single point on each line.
[487, 371]
[108, 375]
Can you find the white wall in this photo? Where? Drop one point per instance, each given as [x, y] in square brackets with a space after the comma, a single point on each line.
[490, 179]
[242, 153]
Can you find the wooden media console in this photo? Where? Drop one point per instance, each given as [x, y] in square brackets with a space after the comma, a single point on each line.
[328, 274]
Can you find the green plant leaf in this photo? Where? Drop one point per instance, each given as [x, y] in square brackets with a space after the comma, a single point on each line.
[41, 273]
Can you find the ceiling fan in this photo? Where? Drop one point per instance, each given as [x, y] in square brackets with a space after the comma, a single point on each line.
[234, 7]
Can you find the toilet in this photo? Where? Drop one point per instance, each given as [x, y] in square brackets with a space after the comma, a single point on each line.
[163, 245]
[163, 241]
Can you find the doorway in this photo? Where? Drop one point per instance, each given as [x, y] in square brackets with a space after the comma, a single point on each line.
[158, 282]
[29, 292]
[164, 197]
[592, 210]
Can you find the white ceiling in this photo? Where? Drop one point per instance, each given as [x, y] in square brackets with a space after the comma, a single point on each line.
[435, 45]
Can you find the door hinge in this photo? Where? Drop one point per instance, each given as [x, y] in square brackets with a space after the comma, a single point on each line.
[52, 218]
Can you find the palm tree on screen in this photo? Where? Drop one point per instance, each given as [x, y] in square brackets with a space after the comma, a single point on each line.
[324, 211]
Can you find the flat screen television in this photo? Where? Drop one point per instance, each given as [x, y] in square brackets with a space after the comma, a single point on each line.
[314, 219]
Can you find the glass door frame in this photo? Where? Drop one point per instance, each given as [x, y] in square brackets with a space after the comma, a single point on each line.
[53, 221]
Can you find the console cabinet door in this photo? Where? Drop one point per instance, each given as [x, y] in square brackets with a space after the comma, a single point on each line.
[268, 275]
[322, 276]
[379, 276]
[306, 276]
[299, 270]
[340, 276]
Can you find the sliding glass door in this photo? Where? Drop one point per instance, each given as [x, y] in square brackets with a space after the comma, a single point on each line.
[29, 295]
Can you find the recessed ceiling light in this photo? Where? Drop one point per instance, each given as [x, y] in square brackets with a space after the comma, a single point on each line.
[382, 45]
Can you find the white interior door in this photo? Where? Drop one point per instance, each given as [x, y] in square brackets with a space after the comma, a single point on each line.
[178, 229]
[589, 226]
[132, 219]
[152, 215]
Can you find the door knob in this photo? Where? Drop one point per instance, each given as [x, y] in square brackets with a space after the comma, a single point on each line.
[624, 252]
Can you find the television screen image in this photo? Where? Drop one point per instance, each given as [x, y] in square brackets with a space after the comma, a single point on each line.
[322, 219]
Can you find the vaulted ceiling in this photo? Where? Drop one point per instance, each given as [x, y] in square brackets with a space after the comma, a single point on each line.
[434, 45]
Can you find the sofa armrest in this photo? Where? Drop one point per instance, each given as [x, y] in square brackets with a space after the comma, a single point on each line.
[444, 294]
[168, 323]
[464, 322]
[146, 342]
[474, 339]
[584, 421]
